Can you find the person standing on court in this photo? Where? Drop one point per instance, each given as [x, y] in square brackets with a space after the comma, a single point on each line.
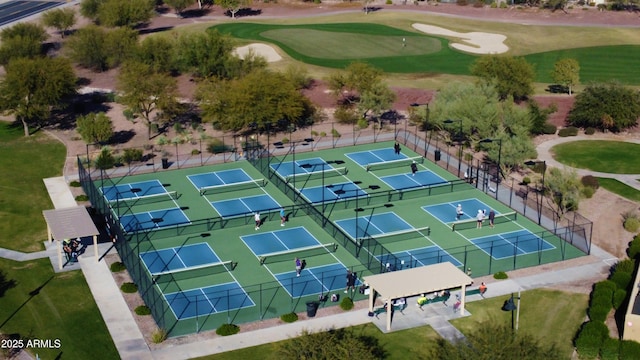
[492, 217]
[396, 148]
[351, 281]
[479, 218]
[283, 217]
[459, 212]
[298, 267]
[256, 217]
[414, 168]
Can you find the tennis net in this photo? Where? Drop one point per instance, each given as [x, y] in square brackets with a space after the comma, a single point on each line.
[473, 223]
[304, 176]
[145, 199]
[289, 255]
[394, 163]
[164, 277]
[241, 185]
[403, 235]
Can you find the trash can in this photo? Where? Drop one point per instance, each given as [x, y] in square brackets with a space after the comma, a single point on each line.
[312, 308]
[437, 155]
[165, 163]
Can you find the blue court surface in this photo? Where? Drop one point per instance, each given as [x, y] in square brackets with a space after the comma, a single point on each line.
[179, 258]
[219, 178]
[373, 225]
[410, 181]
[315, 194]
[509, 244]
[208, 300]
[289, 168]
[133, 190]
[364, 158]
[281, 240]
[420, 257]
[245, 205]
[314, 280]
[151, 220]
[446, 212]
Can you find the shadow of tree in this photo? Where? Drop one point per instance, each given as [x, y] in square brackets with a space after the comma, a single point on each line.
[6, 284]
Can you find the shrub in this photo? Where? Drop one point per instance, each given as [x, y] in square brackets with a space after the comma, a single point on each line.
[131, 155]
[621, 278]
[195, 152]
[549, 129]
[117, 266]
[629, 349]
[627, 266]
[526, 180]
[389, 2]
[158, 336]
[216, 146]
[610, 349]
[604, 285]
[227, 329]
[590, 181]
[590, 338]
[345, 115]
[589, 131]
[588, 192]
[478, 4]
[503, 5]
[599, 313]
[634, 247]
[335, 133]
[128, 114]
[75, 183]
[143, 310]
[105, 160]
[129, 287]
[346, 303]
[82, 198]
[289, 318]
[618, 298]
[493, 5]
[632, 224]
[162, 140]
[500, 275]
[568, 131]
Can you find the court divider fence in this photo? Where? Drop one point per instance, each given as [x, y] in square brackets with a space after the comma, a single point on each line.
[372, 254]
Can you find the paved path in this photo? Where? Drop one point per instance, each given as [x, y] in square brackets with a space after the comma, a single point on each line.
[545, 154]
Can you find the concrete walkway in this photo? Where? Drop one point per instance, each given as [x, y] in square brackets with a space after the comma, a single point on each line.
[544, 153]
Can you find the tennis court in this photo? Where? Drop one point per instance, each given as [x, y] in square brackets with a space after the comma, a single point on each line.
[225, 180]
[513, 243]
[388, 223]
[446, 212]
[313, 280]
[306, 169]
[332, 192]
[178, 258]
[156, 219]
[241, 206]
[134, 191]
[423, 256]
[409, 181]
[208, 300]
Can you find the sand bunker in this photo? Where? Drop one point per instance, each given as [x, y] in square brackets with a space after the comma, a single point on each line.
[264, 50]
[480, 42]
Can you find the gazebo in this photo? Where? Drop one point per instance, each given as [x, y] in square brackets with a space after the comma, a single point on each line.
[420, 280]
[70, 223]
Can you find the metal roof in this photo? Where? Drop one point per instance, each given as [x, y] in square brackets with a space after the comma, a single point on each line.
[420, 280]
[70, 223]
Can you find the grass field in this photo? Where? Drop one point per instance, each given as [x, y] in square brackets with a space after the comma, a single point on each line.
[551, 316]
[25, 162]
[619, 188]
[47, 306]
[600, 155]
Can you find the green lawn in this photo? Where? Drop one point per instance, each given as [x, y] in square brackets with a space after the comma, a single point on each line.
[47, 306]
[600, 155]
[620, 188]
[25, 162]
[551, 316]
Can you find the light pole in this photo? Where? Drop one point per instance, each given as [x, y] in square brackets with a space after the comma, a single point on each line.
[425, 125]
[499, 172]
[540, 192]
[323, 164]
[509, 305]
[449, 121]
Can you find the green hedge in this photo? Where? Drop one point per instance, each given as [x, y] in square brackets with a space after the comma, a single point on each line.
[549, 129]
[622, 279]
[142, 310]
[610, 349]
[117, 266]
[289, 318]
[605, 285]
[634, 247]
[627, 265]
[618, 298]
[599, 312]
[590, 338]
[568, 131]
[346, 303]
[227, 329]
[629, 349]
[129, 287]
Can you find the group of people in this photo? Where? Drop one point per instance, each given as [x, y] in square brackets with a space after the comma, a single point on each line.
[258, 219]
[482, 214]
[71, 248]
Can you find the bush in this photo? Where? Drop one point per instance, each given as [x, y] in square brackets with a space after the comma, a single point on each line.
[629, 349]
[493, 5]
[195, 152]
[622, 279]
[618, 298]
[346, 303]
[143, 310]
[75, 183]
[526, 180]
[289, 318]
[227, 329]
[82, 198]
[500, 275]
[590, 338]
[634, 247]
[158, 336]
[389, 2]
[599, 313]
[128, 114]
[117, 266]
[549, 129]
[627, 266]
[478, 4]
[216, 146]
[131, 155]
[632, 224]
[610, 349]
[335, 133]
[589, 131]
[588, 192]
[590, 181]
[129, 288]
[604, 285]
[503, 5]
[568, 131]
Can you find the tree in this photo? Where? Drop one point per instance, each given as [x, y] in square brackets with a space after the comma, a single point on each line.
[262, 97]
[512, 76]
[232, 6]
[114, 13]
[204, 54]
[344, 344]
[565, 190]
[566, 72]
[156, 51]
[178, 5]
[95, 127]
[539, 116]
[489, 340]
[90, 8]
[120, 45]
[60, 19]
[145, 91]
[608, 106]
[376, 100]
[32, 87]
[95, 48]
[357, 78]
[23, 40]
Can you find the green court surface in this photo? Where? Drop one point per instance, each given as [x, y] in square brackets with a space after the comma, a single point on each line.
[375, 212]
